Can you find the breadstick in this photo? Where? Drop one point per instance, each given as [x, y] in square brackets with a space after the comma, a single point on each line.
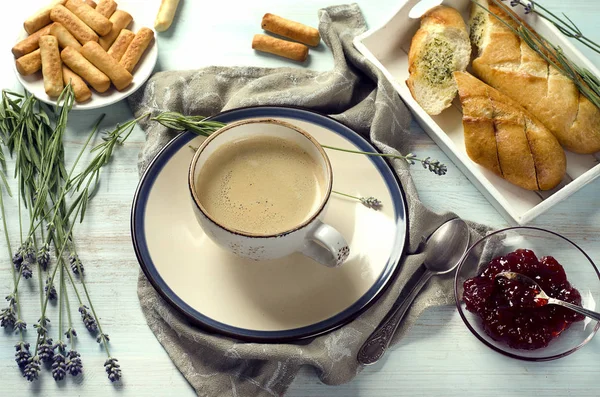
[295, 51]
[80, 89]
[121, 43]
[51, 66]
[30, 63]
[98, 22]
[76, 26]
[64, 37]
[91, 3]
[41, 18]
[137, 47]
[290, 29]
[120, 77]
[31, 43]
[120, 20]
[106, 7]
[165, 15]
[84, 68]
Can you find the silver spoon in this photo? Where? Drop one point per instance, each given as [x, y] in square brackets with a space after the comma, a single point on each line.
[443, 251]
[543, 299]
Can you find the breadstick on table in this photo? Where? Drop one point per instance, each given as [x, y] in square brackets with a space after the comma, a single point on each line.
[118, 48]
[165, 15]
[84, 68]
[291, 29]
[30, 63]
[295, 51]
[119, 76]
[51, 65]
[64, 37]
[80, 89]
[41, 18]
[106, 7]
[138, 45]
[31, 43]
[98, 22]
[76, 26]
[120, 20]
[91, 3]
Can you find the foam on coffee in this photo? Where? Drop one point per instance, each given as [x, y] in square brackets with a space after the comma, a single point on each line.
[260, 185]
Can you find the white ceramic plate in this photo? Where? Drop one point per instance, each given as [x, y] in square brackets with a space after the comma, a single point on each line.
[282, 299]
[142, 16]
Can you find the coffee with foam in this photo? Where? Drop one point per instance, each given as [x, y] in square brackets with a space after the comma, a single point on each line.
[261, 185]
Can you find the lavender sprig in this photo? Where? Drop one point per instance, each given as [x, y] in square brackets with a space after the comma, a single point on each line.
[112, 369]
[50, 289]
[76, 265]
[59, 366]
[43, 257]
[8, 317]
[369, 202]
[74, 364]
[22, 354]
[32, 369]
[46, 350]
[88, 319]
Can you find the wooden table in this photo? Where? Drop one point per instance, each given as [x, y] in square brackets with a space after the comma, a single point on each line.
[438, 357]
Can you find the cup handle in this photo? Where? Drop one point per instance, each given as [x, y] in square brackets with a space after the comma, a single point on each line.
[325, 245]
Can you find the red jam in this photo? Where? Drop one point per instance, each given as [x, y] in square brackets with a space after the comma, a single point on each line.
[508, 308]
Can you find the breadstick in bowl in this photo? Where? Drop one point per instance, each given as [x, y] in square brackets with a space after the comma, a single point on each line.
[84, 68]
[51, 66]
[165, 15]
[119, 76]
[80, 89]
[106, 7]
[98, 22]
[30, 63]
[82, 32]
[121, 43]
[64, 37]
[120, 20]
[138, 45]
[41, 18]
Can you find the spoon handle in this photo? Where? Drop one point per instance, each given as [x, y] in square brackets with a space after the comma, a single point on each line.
[575, 308]
[376, 344]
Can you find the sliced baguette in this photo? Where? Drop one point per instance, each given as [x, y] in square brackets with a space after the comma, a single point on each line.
[503, 137]
[508, 64]
[440, 47]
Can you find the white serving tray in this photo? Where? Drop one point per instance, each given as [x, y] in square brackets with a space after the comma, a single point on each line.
[387, 48]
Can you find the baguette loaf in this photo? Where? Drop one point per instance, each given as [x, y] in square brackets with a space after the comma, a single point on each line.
[440, 47]
[503, 137]
[508, 64]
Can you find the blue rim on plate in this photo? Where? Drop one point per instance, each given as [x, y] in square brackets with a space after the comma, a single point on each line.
[387, 275]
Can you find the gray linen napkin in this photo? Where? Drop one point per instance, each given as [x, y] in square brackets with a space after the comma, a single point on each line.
[356, 94]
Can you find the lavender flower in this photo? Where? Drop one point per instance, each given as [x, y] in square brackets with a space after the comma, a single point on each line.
[26, 271]
[50, 289]
[17, 259]
[112, 369]
[8, 317]
[42, 326]
[22, 355]
[32, 369]
[76, 265]
[59, 367]
[60, 346]
[102, 338]
[371, 202]
[433, 165]
[20, 325]
[74, 365]
[528, 8]
[71, 333]
[88, 319]
[43, 257]
[46, 350]
[29, 254]
[514, 3]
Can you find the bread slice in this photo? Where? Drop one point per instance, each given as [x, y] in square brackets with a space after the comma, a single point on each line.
[508, 64]
[440, 47]
[503, 137]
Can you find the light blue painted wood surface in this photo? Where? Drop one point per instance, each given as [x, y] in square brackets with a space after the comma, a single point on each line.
[438, 356]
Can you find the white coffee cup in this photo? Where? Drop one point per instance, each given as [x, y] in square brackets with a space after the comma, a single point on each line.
[312, 237]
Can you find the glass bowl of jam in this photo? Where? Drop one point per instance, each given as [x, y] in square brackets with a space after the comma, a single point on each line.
[505, 315]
